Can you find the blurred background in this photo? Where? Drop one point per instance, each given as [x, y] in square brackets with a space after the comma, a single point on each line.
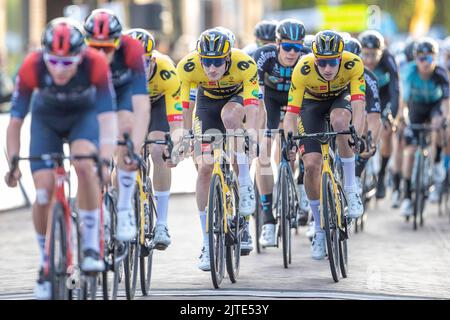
[177, 24]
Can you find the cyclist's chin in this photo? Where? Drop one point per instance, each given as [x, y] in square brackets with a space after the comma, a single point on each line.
[329, 77]
[214, 76]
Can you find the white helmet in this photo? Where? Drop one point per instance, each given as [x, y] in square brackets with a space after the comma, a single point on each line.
[229, 34]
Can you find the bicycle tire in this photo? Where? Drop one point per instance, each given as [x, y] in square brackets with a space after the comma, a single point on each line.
[131, 261]
[418, 190]
[343, 237]
[233, 250]
[285, 215]
[216, 232]
[330, 226]
[58, 254]
[146, 260]
[110, 277]
[257, 215]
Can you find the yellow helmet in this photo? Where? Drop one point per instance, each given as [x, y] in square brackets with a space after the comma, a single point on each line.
[213, 44]
[327, 44]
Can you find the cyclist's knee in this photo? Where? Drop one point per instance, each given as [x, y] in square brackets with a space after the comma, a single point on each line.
[340, 123]
[312, 164]
[84, 170]
[157, 153]
[205, 171]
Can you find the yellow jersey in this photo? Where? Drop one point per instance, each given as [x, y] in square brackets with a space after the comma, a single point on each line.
[307, 83]
[241, 78]
[165, 82]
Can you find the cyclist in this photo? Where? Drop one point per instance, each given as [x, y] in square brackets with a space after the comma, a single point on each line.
[275, 64]
[69, 91]
[166, 116]
[125, 55]
[378, 59]
[328, 81]
[264, 33]
[228, 90]
[373, 109]
[425, 95]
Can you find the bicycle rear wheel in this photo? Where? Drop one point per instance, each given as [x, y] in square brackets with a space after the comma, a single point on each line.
[146, 252]
[233, 236]
[58, 254]
[216, 232]
[330, 225]
[257, 215]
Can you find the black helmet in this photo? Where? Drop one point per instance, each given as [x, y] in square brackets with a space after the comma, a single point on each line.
[352, 45]
[409, 50]
[290, 29]
[265, 30]
[371, 39]
[144, 37]
[63, 37]
[102, 24]
[426, 45]
[213, 44]
[327, 43]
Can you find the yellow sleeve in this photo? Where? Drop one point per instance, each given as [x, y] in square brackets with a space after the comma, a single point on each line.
[184, 70]
[250, 83]
[296, 91]
[357, 82]
[172, 88]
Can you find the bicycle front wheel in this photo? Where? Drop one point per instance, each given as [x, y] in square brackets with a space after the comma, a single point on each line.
[131, 261]
[216, 232]
[418, 199]
[285, 215]
[233, 236]
[58, 254]
[330, 225]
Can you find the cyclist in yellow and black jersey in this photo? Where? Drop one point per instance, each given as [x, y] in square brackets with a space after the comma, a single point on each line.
[228, 91]
[328, 81]
[166, 116]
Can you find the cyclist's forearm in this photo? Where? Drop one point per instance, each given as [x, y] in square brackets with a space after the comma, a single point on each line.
[13, 137]
[187, 116]
[176, 130]
[445, 107]
[358, 116]
[290, 122]
[141, 111]
[108, 132]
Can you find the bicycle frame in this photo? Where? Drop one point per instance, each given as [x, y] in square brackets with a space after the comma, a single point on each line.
[326, 168]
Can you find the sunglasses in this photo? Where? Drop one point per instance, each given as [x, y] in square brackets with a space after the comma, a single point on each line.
[291, 46]
[330, 62]
[63, 61]
[428, 58]
[216, 62]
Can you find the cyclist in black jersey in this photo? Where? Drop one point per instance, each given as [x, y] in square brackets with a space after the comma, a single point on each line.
[373, 109]
[264, 34]
[379, 60]
[275, 64]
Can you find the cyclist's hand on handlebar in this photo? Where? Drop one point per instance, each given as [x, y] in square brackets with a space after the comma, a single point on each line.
[11, 178]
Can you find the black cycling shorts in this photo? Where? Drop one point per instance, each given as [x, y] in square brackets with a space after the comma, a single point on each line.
[420, 113]
[313, 118]
[275, 103]
[158, 119]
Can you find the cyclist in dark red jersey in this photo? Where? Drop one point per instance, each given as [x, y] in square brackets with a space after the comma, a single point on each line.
[126, 58]
[68, 88]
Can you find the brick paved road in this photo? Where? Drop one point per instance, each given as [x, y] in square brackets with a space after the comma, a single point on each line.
[388, 260]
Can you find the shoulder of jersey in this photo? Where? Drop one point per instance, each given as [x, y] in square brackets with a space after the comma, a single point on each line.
[163, 60]
[350, 56]
[94, 54]
[239, 54]
[441, 72]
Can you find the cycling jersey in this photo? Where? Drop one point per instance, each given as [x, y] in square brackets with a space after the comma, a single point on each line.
[372, 94]
[307, 83]
[276, 80]
[425, 91]
[164, 83]
[241, 78]
[128, 72]
[89, 89]
[60, 113]
[388, 81]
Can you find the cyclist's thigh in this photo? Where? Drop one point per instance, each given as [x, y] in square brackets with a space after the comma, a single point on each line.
[312, 120]
[274, 101]
[158, 118]
[208, 114]
[45, 138]
[124, 97]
